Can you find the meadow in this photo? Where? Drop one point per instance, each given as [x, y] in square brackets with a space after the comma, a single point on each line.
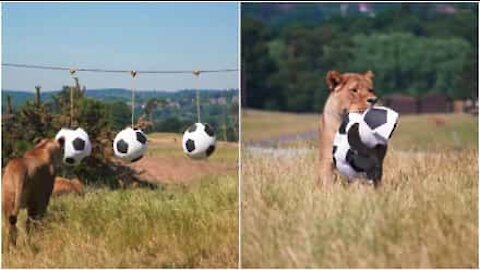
[425, 215]
[181, 223]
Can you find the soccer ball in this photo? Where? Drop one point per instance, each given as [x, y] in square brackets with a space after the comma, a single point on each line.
[130, 144]
[199, 141]
[377, 126]
[77, 145]
[342, 154]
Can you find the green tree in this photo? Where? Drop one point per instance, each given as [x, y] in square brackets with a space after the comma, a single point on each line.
[257, 65]
[151, 105]
[119, 115]
[406, 63]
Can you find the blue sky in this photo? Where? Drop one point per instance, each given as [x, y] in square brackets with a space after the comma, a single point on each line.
[158, 36]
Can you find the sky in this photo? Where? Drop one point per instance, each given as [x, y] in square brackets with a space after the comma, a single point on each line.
[140, 36]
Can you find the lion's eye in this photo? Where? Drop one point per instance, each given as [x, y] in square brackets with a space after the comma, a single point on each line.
[370, 90]
[354, 90]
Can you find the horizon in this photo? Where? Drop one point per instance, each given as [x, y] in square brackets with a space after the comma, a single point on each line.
[126, 89]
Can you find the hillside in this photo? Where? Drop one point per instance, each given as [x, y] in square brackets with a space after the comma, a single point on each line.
[19, 97]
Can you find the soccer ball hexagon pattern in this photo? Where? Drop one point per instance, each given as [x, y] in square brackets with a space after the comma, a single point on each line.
[77, 145]
[377, 126]
[199, 141]
[341, 147]
[130, 144]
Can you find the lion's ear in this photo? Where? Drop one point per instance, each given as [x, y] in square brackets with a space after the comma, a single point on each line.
[369, 74]
[333, 79]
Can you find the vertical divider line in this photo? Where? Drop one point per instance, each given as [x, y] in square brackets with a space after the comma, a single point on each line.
[239, 185]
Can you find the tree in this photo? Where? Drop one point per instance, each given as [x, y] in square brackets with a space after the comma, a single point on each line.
[406, 63]
[151, 105]
[119, 115]
[257, 65]
[21, 129]
[412, 48]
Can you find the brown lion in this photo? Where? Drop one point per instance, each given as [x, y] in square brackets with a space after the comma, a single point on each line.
[349, 92]
[28, 183]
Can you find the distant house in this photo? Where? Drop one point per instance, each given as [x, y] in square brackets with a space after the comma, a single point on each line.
[446, 9]
[366, 8]
[175, 105]
[429, 103]
[434, 103]
[401, 103]
[219, 100]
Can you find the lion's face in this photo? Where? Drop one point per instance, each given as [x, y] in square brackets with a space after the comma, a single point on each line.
[352, 91]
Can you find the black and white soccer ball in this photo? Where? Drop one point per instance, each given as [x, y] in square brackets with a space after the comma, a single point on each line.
[130, 144]
[199, 141]
[342, 151]
[377, 126]
[77, 145]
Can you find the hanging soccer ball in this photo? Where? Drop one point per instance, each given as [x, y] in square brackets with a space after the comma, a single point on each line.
[377, 126]
[130, 144]
[77, 145]
[199, 141]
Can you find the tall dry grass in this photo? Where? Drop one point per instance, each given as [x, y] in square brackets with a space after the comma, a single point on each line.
[424, 216]
[181, 226]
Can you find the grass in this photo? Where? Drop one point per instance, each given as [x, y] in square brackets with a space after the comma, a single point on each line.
[177, 225]
[422, 134]
[257, 125]
[169, 145]
[424, 216]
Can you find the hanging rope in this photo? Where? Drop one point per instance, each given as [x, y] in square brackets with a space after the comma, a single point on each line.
[197, 74]
[72, 73]
[117, 70]
[133, 73]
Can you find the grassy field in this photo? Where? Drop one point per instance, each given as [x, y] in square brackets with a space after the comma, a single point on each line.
[168, 145]
[257, 125]
[424, 216]
[187, 224]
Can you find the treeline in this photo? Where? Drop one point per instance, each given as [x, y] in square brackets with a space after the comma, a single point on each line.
[166, 111]
[38, 118]
[24, 126]
[412, 48]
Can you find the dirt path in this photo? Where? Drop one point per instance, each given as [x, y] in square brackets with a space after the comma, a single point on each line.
[177, 169]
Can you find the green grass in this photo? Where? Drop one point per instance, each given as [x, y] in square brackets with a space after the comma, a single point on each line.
[258, 125]
[183, 226]
[424, 216]
[414, 132]
[192, 224]
[421, 133]
[169, 145]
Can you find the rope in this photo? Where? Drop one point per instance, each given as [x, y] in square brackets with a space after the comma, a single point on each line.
[72, 73]
[133, 73]
[197, 73]
[117, 70]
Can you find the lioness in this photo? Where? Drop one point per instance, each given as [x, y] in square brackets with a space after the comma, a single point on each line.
[28, 183]
[349, 92]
